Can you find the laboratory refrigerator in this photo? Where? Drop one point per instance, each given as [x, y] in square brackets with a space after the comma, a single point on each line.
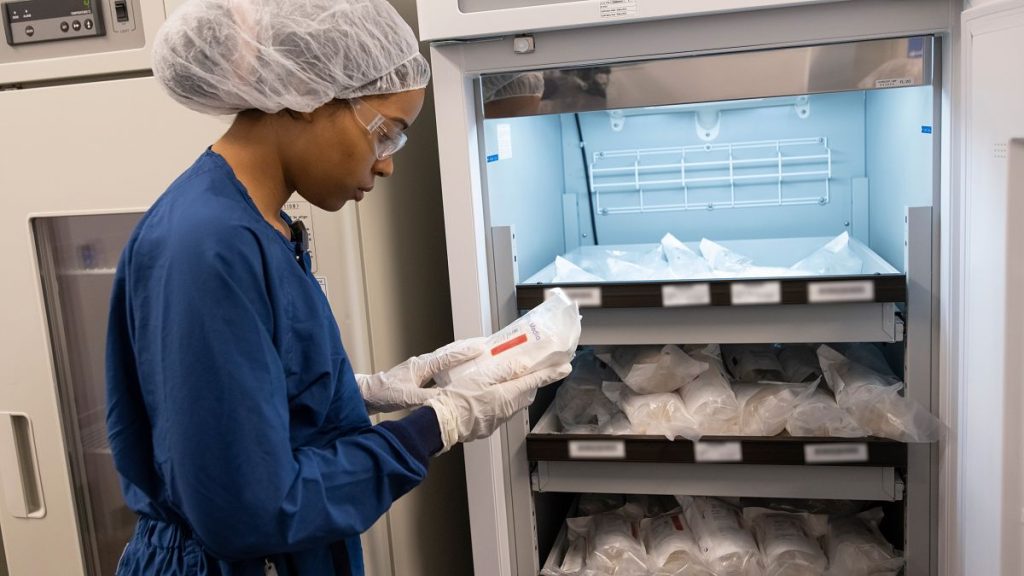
[582, 144]
[88, 140]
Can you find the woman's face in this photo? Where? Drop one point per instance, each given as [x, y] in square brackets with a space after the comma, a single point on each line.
[332, 156]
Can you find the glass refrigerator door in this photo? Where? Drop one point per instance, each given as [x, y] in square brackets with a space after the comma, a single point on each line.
[77, 258]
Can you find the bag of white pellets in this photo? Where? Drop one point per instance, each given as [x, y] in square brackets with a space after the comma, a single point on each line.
[874, 402]
[766, 408]
[709, 398]
[545, 337]
[672, 548]
[653, 369]
[653, 414]
[614, 542]
[789, 542]
[856, 547]
[728, 547]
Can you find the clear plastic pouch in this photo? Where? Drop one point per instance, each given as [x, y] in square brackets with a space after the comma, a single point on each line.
[709, 398]
[654, 414]
[545, 337]
[789, 542]
[653, 369]
[856, 547]
[728, 548]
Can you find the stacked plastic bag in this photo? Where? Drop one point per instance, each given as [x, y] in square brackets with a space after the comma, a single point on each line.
[672, 259]
[646, 536]
[740, 390]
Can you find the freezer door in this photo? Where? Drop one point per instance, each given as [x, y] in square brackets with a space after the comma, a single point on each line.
[989, 342]
[75, 179]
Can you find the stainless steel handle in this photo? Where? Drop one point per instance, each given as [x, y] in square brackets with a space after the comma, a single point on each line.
[19, 468]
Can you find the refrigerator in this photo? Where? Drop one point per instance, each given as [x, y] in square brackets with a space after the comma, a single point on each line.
[573, 136]
[89, 141]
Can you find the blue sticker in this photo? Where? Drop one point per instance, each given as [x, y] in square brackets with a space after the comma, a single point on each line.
[926, 129]
[492, 158]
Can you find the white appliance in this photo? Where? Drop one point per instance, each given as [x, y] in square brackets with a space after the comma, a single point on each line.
[769, 128]
[89, 140]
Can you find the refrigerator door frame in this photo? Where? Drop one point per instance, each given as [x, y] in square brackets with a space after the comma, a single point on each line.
[457, 67]
[445, 19]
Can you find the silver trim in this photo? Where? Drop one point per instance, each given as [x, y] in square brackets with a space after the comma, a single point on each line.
[872, 64]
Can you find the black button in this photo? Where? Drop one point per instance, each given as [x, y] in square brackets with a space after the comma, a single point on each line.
[88, 24]
[76, 25]
[30, 31]
[64, 27]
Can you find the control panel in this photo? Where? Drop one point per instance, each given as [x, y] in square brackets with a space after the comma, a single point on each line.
[32, 21]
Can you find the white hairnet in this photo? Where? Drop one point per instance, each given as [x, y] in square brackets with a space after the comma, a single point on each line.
[500, 86]
[225, 56]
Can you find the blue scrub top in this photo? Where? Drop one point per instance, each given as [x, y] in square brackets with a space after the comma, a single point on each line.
[234, 418]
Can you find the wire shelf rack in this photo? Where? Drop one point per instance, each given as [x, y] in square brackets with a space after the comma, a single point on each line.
[712, 176]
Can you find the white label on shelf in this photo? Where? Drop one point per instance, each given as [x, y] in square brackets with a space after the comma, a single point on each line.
[834, 453]
[894, 82]
[847, 291]
[618, 8]
[718, 452]
[675, 295]
[584, 297]
[757, 292]
[504, 141]
[597, 449]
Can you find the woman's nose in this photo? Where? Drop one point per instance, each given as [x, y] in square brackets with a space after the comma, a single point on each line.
[384, 168]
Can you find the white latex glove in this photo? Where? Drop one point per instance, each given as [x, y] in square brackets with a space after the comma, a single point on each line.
[469, 412]
[402, 386]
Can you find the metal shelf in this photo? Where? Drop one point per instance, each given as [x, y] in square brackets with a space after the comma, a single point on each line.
[878, 288]
[725, 480]
[548, 444]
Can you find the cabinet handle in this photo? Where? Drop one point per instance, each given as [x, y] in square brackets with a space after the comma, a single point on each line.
[19, 468]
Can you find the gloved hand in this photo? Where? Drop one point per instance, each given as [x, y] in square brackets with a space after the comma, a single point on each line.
[402, 386]
[469, 412]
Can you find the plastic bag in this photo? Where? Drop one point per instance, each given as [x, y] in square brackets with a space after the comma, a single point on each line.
[874, 402]
[799, 363]
[819, 415]
[857, 548]
[834, 258]
[580, 403]
[647, 266]
[672, 547]
[722, 259]
[765, 408]
[545, 337]
[615, 548]
[788, 541]
[566, 271]
[653, 369]
[619, 424]
[709, 398]
[753, 362]
[683, 262]
[728, 548]
[653, 414]
[594, 504]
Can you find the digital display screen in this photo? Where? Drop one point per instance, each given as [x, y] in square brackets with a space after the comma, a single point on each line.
[26, 10]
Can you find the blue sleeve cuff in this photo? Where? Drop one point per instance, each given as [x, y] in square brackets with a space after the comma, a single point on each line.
[418, 432]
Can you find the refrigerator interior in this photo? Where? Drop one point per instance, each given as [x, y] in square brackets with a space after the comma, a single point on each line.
[802, 171]
[590, 197]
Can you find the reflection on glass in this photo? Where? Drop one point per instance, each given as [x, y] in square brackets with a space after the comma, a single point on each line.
[77, 260]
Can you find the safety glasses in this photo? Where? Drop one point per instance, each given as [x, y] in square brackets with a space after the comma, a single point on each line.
[388, 137]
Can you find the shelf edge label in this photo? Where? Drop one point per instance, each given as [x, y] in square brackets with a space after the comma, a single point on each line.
[845, 291]
[584, 297]
[678, 295]
[835, 453]
[744, 293]
[717, 452]
[597, 449]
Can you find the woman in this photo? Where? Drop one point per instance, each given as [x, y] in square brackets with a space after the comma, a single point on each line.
[236, 423]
